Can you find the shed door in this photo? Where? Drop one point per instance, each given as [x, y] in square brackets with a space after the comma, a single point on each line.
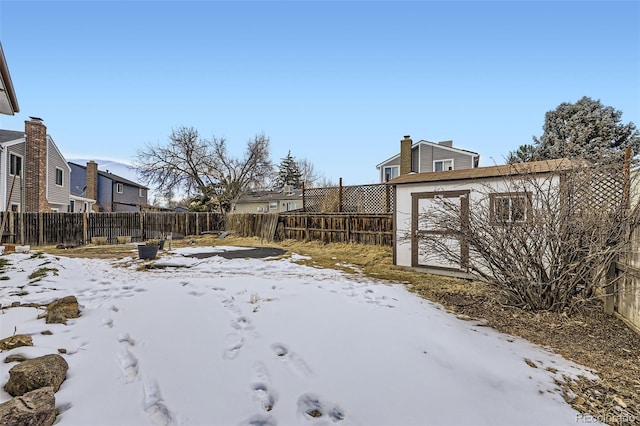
[424, 206]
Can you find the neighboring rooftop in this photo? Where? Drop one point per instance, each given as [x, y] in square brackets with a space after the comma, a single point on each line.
[112, 176]
[10, 135]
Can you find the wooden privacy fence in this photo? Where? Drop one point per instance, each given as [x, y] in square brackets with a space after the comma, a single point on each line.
[623, 295]
[375, 229]
[79, 228]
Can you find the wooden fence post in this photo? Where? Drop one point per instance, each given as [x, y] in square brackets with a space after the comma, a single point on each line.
[340, 196]
[609, 288]
[40, 229]
[142, 225]
[85, 227]
[303, 198]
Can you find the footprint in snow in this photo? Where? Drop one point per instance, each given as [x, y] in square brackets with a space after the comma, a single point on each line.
[261, 388]
[241, 323]
[154, 405]
[233, 344]
[125, 339]
[311, 407]
[128, 365]
[296, 362]
[107, 323]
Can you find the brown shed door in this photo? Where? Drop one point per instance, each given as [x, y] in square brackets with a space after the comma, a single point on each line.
[424, 206]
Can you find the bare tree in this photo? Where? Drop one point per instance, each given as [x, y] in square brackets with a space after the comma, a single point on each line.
[310, 176]
[204, 170]
[546, 243]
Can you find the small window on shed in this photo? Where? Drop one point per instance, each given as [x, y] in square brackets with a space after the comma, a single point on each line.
[510, 208]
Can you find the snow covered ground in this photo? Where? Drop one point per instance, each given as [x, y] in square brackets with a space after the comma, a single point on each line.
[269, 342]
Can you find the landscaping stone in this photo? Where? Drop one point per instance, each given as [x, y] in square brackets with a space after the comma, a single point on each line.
[15, 358]
[35, 408]
[15, 341]
[62, 309]
[36, 373]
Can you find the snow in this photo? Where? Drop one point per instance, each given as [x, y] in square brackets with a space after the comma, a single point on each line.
[264, 342]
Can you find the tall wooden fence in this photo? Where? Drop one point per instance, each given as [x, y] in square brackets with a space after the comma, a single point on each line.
[623, 296]
[374, 229]
[79, 228]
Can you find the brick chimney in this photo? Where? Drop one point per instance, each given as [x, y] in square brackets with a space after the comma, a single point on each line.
[35, 168]
[405, 155]
[446, 143]
[92, 182]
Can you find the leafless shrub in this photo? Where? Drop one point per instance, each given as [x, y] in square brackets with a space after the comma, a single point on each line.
[545, 241]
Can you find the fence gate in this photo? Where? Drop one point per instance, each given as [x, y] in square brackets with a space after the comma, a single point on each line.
[423, 206]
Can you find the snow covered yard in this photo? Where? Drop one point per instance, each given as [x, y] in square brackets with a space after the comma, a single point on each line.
[269, 342]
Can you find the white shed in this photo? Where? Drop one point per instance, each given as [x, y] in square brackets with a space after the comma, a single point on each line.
[417, 193]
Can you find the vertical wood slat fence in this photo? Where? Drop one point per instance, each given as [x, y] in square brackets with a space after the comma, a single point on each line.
[623, 296]
[78, 228]
[375, 229]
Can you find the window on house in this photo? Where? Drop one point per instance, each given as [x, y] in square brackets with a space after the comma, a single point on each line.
[140, 192]
[510, 208]
[59, 175]
[273, 206]
[119, 188]
[442, 165]
[15, 208]
[15, 165]
[291, 206]
[390, 172]
[72, 206]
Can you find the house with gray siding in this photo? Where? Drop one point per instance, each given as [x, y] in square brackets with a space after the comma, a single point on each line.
[112, 193]
[428, 156]
[8, 99]
[285, 200]
[34, 175]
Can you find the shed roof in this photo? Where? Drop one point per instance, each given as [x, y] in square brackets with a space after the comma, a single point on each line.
[534, 167]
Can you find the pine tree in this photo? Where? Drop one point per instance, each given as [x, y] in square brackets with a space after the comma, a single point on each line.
[289, 173]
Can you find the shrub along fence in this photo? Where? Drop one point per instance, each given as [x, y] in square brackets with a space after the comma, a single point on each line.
[80, 228]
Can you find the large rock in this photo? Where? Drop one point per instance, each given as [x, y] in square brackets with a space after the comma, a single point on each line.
[36, 408]
[36, 373]
[60, 310]
[15, 341]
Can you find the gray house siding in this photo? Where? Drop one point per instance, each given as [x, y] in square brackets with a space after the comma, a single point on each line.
[129, 198]
[16, 195]
[429, 154]
[57, 195]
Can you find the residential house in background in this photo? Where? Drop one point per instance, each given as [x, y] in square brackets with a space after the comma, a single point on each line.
[425, 157]
[287, 199]
[8, 100]
[34, 175]
[112, 193]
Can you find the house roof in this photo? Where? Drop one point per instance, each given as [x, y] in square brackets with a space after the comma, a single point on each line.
[113, 177]
[8, 100]
[534, 167]
[267, 196]
[434, 144]
[10, 135]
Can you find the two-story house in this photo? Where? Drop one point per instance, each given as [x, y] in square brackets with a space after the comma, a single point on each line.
[34, 175]
[425, 156]
[8, 100]
[112, 193]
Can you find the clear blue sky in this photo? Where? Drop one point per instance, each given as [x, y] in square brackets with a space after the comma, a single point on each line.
[338, 83]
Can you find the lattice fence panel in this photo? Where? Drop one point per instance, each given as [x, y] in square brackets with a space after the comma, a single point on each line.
[377, 198]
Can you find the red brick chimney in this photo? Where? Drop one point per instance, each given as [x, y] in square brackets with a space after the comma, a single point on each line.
[35, 170]
[405, 155]
[92, 183]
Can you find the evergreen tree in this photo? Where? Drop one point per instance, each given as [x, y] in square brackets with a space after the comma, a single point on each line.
[586, 130]
[289, 173]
